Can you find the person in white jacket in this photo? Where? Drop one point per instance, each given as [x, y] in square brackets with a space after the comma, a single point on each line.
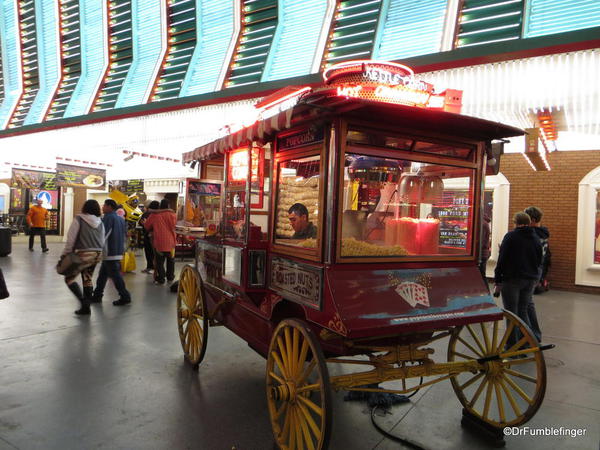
[86, 238]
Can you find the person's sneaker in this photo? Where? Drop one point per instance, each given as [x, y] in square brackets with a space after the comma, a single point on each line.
[30, 249]
[44, 250]
[158, 283]
[95, 299]
[170, 280]
[121, 302]
[147, 271]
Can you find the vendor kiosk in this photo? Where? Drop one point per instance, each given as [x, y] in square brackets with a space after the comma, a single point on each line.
[369, 255]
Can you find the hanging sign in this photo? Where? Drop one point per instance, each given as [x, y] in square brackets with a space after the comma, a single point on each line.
[388, 83]
[128, 187]
[78, 176]
[33, 179]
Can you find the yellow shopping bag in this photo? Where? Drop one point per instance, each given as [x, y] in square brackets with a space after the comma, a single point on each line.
[128, 262]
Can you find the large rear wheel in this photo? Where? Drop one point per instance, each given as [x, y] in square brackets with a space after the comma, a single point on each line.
[509, 390]
[192, 320]
[298, 390]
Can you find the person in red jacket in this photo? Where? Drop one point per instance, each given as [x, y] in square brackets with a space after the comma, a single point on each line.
[161, 223]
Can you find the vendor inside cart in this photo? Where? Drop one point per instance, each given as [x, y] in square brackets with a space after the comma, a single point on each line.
[303, 228]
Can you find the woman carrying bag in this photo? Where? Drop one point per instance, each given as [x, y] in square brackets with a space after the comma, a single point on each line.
[83, 250]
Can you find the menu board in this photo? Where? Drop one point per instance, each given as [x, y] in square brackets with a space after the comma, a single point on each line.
[127, 187]
[77, 176]
[33, 179]
[454, 219]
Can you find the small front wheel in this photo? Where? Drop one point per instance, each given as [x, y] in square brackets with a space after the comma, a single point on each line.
[298, 390]
[192, 321]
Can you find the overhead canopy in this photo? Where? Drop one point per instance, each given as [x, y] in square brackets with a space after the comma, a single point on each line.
[321, 106]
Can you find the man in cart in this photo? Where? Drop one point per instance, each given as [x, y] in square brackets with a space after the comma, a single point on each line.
[303, 229]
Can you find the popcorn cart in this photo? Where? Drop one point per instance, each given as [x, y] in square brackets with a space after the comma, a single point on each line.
[348, 235]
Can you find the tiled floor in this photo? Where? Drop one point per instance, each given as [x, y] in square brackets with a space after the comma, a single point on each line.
[116, 380]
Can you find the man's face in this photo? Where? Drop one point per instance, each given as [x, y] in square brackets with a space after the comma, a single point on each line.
[297, 222]
[39, 201]
[106, 209]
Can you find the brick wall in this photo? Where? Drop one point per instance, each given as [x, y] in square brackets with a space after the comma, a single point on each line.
[555, 192]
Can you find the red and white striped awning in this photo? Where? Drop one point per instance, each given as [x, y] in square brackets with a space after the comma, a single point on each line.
[257, 131]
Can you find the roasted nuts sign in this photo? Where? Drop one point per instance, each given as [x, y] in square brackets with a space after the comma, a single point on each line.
[296, 282]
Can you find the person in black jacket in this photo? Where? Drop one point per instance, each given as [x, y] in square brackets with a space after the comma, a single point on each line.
[542, 285]
[148, 250]
[517, 269]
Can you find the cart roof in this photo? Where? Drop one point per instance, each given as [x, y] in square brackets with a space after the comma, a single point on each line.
[322, 106]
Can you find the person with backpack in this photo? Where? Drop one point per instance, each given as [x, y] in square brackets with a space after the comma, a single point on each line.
[85, 238]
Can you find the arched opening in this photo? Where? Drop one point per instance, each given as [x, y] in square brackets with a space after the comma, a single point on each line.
[587, 265]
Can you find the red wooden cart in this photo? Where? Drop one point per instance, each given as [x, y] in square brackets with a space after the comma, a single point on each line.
[379, 261]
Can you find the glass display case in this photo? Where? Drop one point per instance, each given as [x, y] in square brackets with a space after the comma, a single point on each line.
[203, 205]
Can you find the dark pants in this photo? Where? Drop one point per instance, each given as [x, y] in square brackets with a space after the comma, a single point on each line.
[482, 267]
[516, 297]
[42, 232]
[159, 266]
[532, 316]
[111, 269]
[148, 251]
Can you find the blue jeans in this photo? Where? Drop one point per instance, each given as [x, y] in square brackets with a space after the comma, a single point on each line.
[517, 294]
[111, 269]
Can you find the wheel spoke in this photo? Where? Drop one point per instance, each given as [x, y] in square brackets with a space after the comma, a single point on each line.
[507, 334]
[486, 339]
[523, 376]
[307, 436]
[303, 353]
[284, 360]
[298, 428]
[517, 389]
[495, 337]
[294, 358]
[276, 377]
[292, 414]
[279, 363]
[510, 398]
[516, 346]
[500, 402]
[289, 351]
[310, 421]
[476, 339]
[311, 405]
[283, 408]
[516, 362]
[488, 400]
[469, 346]
[478, 391]
[469, 382]
[309, 387]
[462, 355]
[285, 431]
[307, 371]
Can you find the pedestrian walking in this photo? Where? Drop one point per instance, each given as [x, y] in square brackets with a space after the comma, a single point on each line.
[486, 231]
[114, 247]
[161, 223]
[148, 250]
[37, 219]
[517, 269]
[543, 234]
[85, 238]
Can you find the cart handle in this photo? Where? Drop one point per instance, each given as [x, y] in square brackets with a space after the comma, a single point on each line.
[498, 356]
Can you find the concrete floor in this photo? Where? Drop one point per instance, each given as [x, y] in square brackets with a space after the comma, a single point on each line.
[117, 380]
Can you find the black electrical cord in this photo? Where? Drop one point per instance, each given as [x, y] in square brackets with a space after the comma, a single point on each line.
[392, 437]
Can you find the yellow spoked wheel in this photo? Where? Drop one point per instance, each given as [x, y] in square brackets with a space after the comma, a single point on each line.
[191, 316]
[508, 390]
[298, 391]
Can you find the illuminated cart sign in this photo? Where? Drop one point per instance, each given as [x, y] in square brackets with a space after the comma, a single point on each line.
[297, 282]
[389, 83]
[82, 177]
